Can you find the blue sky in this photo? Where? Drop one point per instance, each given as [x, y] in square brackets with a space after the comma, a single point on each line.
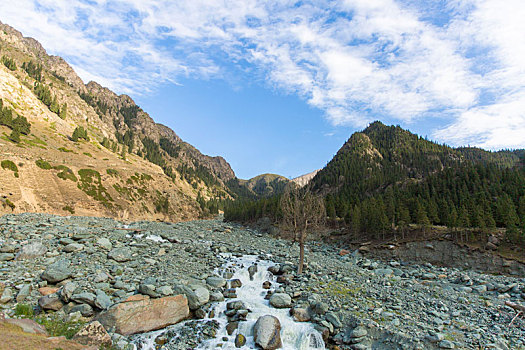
[278, 86]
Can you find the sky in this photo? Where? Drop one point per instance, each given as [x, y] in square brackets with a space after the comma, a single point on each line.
[278, 86]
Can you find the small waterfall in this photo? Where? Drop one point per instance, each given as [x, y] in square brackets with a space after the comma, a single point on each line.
[294, 335]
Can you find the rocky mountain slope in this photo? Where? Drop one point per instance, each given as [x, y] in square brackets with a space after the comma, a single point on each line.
[303, 180]
[126, 165]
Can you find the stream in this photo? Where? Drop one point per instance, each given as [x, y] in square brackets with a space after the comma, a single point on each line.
[294, 335]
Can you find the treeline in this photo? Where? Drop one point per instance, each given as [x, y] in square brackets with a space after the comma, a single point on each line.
[18, 125]
[9, 62]
[34, 70]
[471, 196]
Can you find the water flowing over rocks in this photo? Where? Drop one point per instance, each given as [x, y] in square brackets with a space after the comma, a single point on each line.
[351, 300]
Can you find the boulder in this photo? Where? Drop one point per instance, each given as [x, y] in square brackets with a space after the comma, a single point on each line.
[104, 243]
[93, 334]
[102, 301]
[196, 297]
[121, 254]
[24, 292]
[216, 281]
[47, 290]
[84, 298]
[31, 250]
[267, 332]
[73, 247]
[57, 271]
[27, 325]
[7, 256]
[240, 340]
[7, 296]
[300, 314]
[67, 291]
[139, 314]
[280, 300]
[50, 302]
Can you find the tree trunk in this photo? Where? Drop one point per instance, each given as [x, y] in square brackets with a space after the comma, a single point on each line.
[301, 256]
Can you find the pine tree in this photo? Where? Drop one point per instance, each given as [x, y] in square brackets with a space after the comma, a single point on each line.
[54, 107]
[63, 111]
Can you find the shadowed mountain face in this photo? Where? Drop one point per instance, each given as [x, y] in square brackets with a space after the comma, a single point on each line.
[122, 165]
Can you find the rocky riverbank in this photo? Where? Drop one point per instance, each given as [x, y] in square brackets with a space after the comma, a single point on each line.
[84, 268]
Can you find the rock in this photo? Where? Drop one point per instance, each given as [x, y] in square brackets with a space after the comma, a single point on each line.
[267, 332]
[58, 271]
[491, 246]
[236, 283]
[140, 314]
[31, 251]
[121, 254]
[102, 301]
[84, 298]
[148, 289]
[358, 332]
[231, 327]
[235, 305]
[85, 310]
[165, 290]
[93, 334]
[300, 314]
[280, 300]
[333, 319]
[104, 243]
[73, 247]
[7, 296]
[196, 298]
[23, 293]
[267, 285]
[240, 340]
[216, 281]
[318, 308]
[27, 325]
[50, 302]
[7, 256]
[446, 344]
[67, 291]
[216, 296]
[47, 290]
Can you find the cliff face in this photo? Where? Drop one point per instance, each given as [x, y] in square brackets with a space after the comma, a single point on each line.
[129, 166]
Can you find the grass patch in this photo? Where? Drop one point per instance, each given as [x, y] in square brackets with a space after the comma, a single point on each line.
[10, 204]
[24, 310]
[91, 184]
[65, 150]
[69, 209]
[43, 164]
[57, 327]
[88, 154]
[65, 173]
[124, 191]
[9, 165]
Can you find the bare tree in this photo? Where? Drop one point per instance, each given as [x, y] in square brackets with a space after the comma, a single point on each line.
[303, 211]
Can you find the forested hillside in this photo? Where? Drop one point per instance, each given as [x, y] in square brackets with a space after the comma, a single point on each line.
[385, 178]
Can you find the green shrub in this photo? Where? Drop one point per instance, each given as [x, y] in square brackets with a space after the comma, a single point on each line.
[91, 184]
[42, 164]
[88, 154]
[65, 173]
[69, 209]
[7, 164]
[63, 149]
[24, 310]
[10, 204]
[57, 327]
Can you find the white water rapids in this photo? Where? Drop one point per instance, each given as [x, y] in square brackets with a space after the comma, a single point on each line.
[294, 335]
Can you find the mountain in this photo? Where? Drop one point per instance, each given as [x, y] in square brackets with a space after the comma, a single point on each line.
[385, 178]
[69, 147]
[260, 186]
[303, 180]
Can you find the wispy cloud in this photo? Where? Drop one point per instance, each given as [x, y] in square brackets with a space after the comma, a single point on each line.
[461, 61]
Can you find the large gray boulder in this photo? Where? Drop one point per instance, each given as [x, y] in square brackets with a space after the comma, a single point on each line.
[267, 332]
[57, 271]
[50, 302]
[280, 300]
[31, 250]
[197, 296]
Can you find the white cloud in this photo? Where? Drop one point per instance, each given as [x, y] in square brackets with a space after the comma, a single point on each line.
[354, 59]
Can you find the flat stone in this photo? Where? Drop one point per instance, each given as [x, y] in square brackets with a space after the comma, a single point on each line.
[144, 314]
[93, 334]
[280, 300]
[31, 251]
[58, 271]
